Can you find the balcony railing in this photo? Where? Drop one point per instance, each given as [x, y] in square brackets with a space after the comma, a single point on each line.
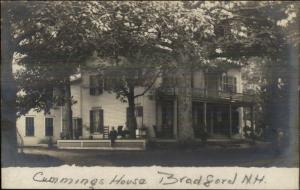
[203, 93]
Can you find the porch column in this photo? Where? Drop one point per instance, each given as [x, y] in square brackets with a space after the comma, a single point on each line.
[204, 116]
[175, 126]
[252, 117]
[230, 120]
[244, 116]
[158, 115]
[241, 119]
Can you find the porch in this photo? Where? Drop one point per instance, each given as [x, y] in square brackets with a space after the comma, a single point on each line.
[103, 144]
[220, 115]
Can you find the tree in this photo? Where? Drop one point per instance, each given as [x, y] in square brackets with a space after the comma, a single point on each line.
[191, 33]
[68, 41]
[273, 73]
[134, 59]
[187, 30]
[22, 25]
[13, 15]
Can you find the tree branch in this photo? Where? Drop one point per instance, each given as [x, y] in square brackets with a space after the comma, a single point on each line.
[149, 87]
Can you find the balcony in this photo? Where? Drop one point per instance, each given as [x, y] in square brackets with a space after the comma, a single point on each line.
[203, 94]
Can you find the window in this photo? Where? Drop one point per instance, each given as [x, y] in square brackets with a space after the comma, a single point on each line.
[228, 83]
[96, 121]
[49, 127]
[96, 85]
[139, 111]
[107, 83]
[77, 127]
[29, 126]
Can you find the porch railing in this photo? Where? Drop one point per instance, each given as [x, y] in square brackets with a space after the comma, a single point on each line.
[203, 93]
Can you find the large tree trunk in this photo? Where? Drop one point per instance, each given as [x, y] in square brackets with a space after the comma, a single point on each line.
[8, 96]
[132, 125]
[68, 110]
[184, 97]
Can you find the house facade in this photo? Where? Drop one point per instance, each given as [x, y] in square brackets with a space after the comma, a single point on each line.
[218, 107]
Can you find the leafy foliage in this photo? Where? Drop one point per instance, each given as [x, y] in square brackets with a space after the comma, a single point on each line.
[62, 38]
[140, 39]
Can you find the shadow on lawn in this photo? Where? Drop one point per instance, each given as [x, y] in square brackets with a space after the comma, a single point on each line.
[32, 160]
[196, 157]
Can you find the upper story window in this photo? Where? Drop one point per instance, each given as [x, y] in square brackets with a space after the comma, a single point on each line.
[49, 127]
[96, 85]
[228, 83]
[29, 125]
[96, 120]
[138, 111]
[107, 83]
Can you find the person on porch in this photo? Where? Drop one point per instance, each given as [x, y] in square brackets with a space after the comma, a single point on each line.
[113, 135]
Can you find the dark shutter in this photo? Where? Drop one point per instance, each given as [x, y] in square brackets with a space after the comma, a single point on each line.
[127, 116]
[100, 84]
[91, 121]
[231, 84]
[49, 126]
[234, 85]
[139, 111]
[29, 126]
[79, 125]
[101, 120]
[92, 85]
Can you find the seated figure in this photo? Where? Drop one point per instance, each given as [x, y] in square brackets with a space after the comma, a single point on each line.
[120, 131]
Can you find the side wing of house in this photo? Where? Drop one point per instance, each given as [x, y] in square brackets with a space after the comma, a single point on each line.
[37, 128]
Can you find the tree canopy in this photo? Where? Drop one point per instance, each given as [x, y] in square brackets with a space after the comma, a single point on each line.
[55, 37]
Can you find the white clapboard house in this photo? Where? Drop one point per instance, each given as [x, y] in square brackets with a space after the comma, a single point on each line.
[218, 105]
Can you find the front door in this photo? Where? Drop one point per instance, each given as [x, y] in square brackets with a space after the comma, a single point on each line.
[167, 119]
[218, 119]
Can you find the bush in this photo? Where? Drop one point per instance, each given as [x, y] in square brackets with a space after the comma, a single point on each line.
[48, 141]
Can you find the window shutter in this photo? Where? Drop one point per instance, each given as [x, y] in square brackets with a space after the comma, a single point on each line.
[107, 83]
[91, 121]
[29, 126]
[100, 84]
[101, 121]
[234, 84]
[32, 126]
[79, 126]
[51, 129]
[26, 126]
[92, 85]
[49, 126]
[127, 116]
[139, 111]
